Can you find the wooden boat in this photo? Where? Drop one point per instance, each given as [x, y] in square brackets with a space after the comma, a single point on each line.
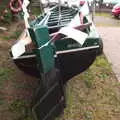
[70, 56]
[63, 44]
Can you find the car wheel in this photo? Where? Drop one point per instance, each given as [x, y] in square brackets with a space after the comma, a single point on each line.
[119, 16]
[116, 16]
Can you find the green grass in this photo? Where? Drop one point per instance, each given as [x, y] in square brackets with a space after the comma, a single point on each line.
[14, 35]
[36, 11]
[105, 14]
[1, 100]
[21, 109]
[108, 24]
[4, 74]
[93, 95]
[101, 69]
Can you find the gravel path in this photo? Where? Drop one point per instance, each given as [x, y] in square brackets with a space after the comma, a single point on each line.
[111, 40]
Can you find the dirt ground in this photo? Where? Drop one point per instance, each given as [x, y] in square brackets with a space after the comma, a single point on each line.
[92, 95]
[16, 88]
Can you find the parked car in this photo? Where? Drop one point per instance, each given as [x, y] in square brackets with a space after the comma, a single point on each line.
[116, 10]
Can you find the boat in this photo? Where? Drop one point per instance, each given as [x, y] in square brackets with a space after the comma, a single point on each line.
[56, 46]
[70, 56]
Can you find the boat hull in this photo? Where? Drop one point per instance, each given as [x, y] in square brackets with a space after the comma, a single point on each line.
[75, 62]
[70, 62]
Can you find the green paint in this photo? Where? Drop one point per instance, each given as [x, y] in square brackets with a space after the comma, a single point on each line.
[45, 55]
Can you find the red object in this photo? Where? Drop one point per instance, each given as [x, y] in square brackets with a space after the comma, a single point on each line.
[82, 2]
[116, 10]
[13, 8]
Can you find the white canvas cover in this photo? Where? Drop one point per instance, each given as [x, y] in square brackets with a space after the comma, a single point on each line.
[75, 34]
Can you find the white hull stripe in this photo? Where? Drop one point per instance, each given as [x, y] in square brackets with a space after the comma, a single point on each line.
[60, 52]
[78, 49]
[25, 56]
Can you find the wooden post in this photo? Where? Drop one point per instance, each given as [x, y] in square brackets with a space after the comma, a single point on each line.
[93, 11]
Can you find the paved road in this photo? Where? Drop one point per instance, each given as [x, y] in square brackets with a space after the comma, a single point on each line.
[111, 40]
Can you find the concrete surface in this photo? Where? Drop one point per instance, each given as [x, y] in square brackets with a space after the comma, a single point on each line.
[111, 40]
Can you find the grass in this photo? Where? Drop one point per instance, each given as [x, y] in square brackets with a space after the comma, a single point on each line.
[117, 24]
[1, 100]
[36, 11]
[14, 35]
[101, 17]
[21, 109]
[93, 95]
[105, 14]
[4, 74]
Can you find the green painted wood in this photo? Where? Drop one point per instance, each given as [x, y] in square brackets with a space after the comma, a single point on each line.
[45, 55]
[42, 35]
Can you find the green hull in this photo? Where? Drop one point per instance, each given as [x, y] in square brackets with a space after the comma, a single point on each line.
[62, 52]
